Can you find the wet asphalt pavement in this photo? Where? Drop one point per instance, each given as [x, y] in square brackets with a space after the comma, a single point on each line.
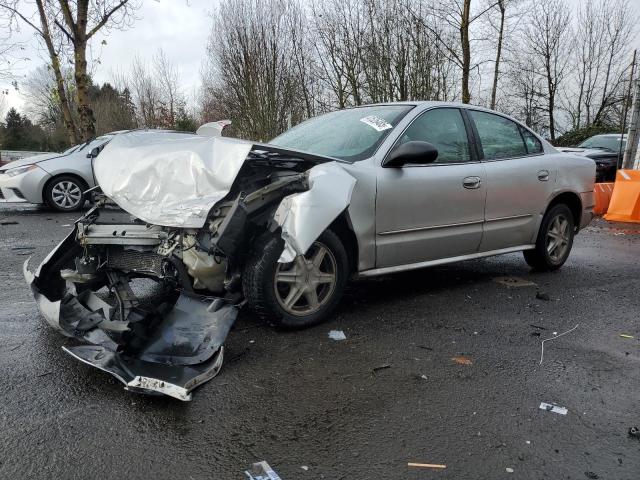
[360, 408]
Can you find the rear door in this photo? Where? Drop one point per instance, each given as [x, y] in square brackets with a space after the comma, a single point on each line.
[520, 180]
[434, 211]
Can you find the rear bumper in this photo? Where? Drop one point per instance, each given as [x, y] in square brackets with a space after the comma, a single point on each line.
[24, 188]
[588, 200]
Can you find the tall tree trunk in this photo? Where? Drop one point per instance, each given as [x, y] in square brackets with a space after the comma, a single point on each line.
[466, 51]
[85, 112]
[72, 132]
[496, 70]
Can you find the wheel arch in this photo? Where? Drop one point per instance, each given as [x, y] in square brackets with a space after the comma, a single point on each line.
[342, 227]
[571, 200]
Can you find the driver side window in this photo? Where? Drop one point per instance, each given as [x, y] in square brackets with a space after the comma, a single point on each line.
[445, 130]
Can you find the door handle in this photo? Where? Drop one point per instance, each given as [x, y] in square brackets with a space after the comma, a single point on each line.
[472, 182]
[543, 175]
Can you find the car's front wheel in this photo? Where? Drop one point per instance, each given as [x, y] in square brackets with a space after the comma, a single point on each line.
[65, 193]
[297, 294]
[555, 239]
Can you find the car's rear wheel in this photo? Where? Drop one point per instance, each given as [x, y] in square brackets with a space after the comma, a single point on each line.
[297, 294]
[65, 193]
[554, 241]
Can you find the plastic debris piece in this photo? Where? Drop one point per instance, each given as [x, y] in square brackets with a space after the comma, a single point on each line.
[381, 367]
[509, 470]
[624, 335]
[553, 408]
[543, 296]
[261, 471]
[426, 465]
[462, 360]
[337, 335]
[304, 467]
[634, 432]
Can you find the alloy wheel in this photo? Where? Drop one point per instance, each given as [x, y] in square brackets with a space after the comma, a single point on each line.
[305, 285]
[558, 236]
[66, 194]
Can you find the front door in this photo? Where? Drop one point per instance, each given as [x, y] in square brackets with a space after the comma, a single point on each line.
[434, 211]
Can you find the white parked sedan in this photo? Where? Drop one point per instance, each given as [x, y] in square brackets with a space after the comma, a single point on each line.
[57, 179]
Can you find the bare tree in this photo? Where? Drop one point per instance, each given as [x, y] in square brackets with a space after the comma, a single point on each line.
[66, 27]
[546, 39]
[252, 66]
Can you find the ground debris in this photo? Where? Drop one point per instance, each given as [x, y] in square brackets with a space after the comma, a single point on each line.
[514, 282]
[426, 465]
[624, 335]
[555, 335]
[543, 296]
[509, 470]
[337, 335]
[460, 360]
[553, 408]
[381, 367]
[634, 432]
[593, 476]
[9, 223]
[261, 471]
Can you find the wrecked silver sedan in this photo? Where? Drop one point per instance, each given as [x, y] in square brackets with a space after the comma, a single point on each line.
[216, 223]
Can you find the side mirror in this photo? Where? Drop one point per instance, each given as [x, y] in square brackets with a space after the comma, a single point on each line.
[415, 152]
[93, 153]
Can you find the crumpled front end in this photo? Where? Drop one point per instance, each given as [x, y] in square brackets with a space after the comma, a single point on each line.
[169, 344]
[152, 295]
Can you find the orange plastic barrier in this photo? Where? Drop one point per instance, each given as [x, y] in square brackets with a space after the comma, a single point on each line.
[625, 200]
[602, 193]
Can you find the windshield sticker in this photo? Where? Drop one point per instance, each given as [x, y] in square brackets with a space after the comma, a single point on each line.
[380, 124]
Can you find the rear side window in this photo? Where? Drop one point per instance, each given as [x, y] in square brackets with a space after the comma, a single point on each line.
[533, 144]
[445, 130]
[499, 136]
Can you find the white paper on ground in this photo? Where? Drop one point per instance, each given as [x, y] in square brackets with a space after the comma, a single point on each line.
[337, 335]
[553, 408]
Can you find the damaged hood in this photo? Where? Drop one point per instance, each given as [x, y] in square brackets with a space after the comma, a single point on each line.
[169, 179]
[174, 179]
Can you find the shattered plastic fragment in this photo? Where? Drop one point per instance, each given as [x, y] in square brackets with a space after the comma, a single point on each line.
[261, 471]
[553, 408]
[337, 335]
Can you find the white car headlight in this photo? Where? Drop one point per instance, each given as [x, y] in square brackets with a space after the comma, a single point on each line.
[12, 172]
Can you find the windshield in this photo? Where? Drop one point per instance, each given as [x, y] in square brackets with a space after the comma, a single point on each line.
[351, 135]
[606, 142]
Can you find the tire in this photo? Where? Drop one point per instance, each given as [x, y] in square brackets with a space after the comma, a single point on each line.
[558, 221]
[65, 193]
[268, 297]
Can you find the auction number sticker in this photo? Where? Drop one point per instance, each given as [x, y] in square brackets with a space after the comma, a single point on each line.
[380, 124]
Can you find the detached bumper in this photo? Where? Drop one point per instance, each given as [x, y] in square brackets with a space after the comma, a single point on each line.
[170, 349]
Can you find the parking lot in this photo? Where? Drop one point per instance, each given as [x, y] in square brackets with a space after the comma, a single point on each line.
[439, 366]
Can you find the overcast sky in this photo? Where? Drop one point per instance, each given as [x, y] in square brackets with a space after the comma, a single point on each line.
[179, 27]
